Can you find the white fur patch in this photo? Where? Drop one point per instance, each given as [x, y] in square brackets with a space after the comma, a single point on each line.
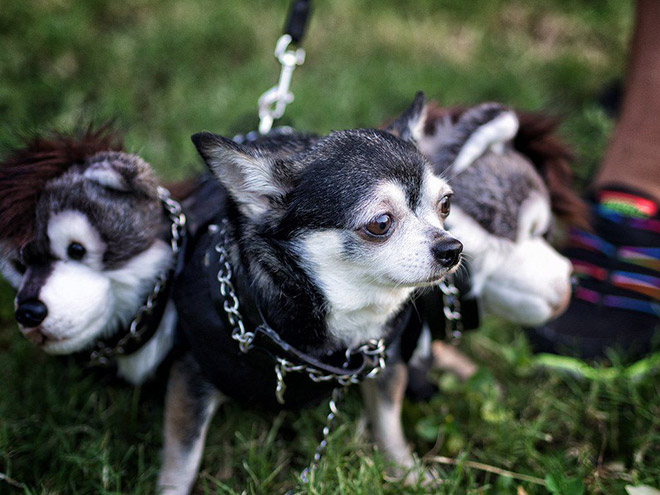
[435, 188]
[85, 304]
[79, 306]
[525, 282]
[132, 282]
[442, 135]
[499, 130]
[531, 286]
[105, 175]
[73, 226]
[249, 179]
[359, 304]
[534, 216]
[416, 124]
[140, 365]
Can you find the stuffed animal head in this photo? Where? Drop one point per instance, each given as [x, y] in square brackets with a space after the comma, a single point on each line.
[509, 174]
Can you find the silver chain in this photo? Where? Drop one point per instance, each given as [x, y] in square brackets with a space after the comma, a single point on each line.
[274, 101]
[102, 355]
[330, 421]
[452, 309]
[230, 300]
[177, 217]
[374, 348]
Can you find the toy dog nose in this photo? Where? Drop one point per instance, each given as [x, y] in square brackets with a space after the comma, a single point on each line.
[31, 313]
[448, 253]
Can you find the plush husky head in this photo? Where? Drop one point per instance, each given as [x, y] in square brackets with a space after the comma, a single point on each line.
[360, 213]
[502, 212]
[83, 249]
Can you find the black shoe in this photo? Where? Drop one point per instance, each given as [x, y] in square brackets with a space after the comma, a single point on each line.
[616, 304]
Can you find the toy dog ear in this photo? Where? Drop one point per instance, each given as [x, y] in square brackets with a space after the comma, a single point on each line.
[246, 173]
[121, 172]
[410, 125]
[480, 129]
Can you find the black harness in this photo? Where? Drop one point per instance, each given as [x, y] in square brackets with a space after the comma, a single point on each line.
[258, 366]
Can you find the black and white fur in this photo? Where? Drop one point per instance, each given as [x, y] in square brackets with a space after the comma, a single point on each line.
[301, 253]
[100, 242]
[501, 213]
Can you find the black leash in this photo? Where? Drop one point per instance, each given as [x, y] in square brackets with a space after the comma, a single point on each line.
[297, 21]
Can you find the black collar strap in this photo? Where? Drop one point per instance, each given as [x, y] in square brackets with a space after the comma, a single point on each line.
[265, 347]
[148, 317]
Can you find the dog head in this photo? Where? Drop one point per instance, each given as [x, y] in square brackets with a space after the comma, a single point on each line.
[360, 211]
[503, 212]
[87, 250]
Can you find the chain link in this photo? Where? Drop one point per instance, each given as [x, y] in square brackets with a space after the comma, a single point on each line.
[230, 300]
[374, 348]
[330, 422]
[102, 354]
[176, 216]
[274, 101]
[452, 309]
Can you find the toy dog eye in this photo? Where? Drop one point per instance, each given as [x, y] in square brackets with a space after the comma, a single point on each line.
[444, 206]
[76, 251]
[380, 226]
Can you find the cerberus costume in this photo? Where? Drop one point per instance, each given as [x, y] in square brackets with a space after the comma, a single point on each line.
[300, 284]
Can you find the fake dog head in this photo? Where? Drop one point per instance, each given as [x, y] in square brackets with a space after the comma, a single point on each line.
[503, 210]
[360, 211]
[80, 227]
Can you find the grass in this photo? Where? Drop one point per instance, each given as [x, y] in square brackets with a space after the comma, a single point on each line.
[166, 69]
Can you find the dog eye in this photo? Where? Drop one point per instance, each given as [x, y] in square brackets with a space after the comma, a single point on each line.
[18, 266]
[444, 206]
[380, 226]
[76, 251]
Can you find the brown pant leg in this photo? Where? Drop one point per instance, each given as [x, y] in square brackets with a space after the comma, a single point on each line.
[632, 158]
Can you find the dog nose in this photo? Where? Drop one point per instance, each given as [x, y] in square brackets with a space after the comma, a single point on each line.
[31, 313]
[448, 253]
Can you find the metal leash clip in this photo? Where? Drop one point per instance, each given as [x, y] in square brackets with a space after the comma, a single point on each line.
[274, 101]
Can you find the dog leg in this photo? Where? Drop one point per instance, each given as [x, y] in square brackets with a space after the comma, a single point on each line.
[190, 404]
[447, 358]
[383, 398]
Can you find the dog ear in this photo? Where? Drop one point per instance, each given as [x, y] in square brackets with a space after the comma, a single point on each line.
[480, 129]
[121, 172]
[246, 173]
[409, 126]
